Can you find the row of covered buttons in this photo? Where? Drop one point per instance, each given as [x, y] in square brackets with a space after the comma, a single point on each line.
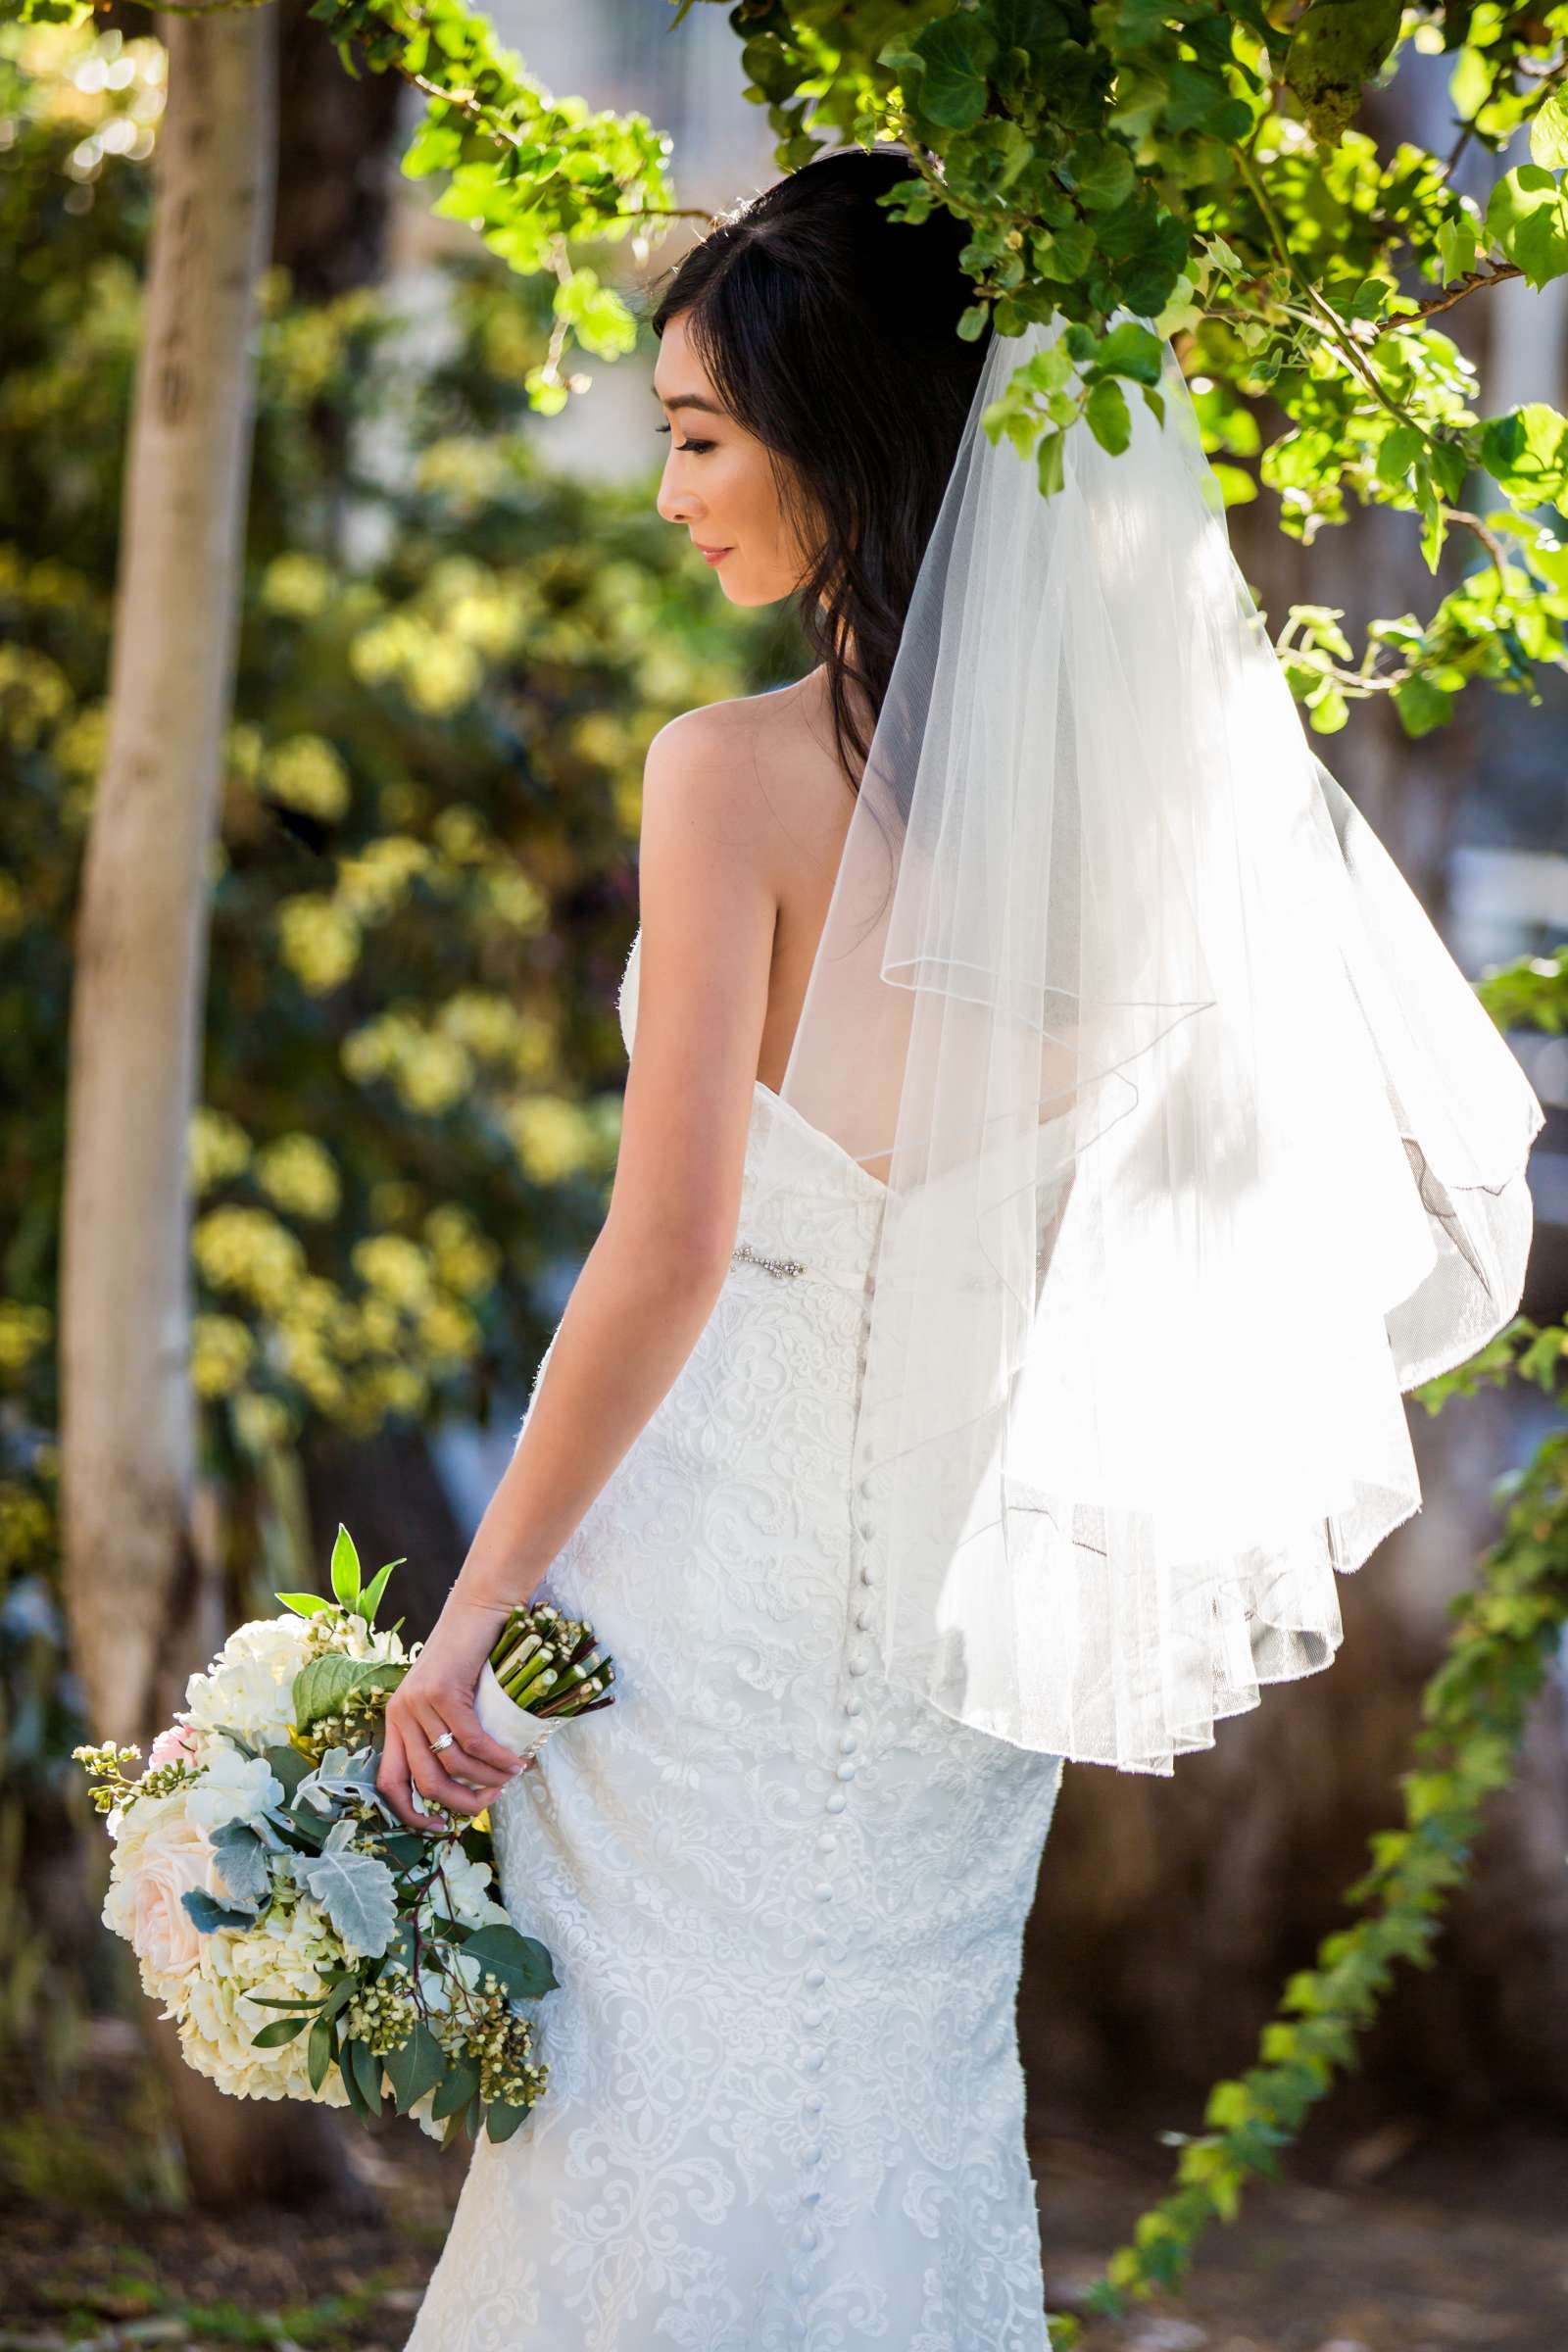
[816, 2055]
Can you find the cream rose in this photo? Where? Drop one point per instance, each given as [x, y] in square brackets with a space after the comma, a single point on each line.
[145, 1901]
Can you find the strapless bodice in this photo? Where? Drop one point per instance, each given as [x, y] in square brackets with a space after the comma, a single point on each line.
[823, 1221]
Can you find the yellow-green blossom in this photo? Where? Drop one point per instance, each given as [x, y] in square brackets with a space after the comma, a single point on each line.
[299, 1173]
[216, 1148]
[319, 941]
[221, 1352]
[305, 771]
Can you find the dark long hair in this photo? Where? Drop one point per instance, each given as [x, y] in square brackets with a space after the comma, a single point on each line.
[829, 330]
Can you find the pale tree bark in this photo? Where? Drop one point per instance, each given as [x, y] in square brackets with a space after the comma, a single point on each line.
[142, 1589]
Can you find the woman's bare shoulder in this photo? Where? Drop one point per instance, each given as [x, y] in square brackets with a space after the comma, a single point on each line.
[760, 764]
[777, 715]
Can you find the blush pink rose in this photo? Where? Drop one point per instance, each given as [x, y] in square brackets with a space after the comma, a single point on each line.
[175, 1746]
[172, 1861]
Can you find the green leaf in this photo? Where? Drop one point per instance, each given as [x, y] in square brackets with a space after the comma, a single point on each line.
[351, 2081]
[955, 52]
[1102, 173]
[1526, 453]
[1456, 248]
[209, 1914]
[519, 1963]
[318, 2054]
[1421, 706]
[1050, 463]
[1451, 468]
[405, 1848]
[1130, 350]
[461, 2085]
[241, 1861]
[1327, 709]
[1106, 415]
[322, 1684]
[303, 1604]
[417, 2067]
[1549, 132]
[345, 1567]
[501, 2120]
[1397, 452]
[281, 2029]
[1525, 218]
[1062, 253]
[288, 1767]
[369, 1601]
[366, 2070]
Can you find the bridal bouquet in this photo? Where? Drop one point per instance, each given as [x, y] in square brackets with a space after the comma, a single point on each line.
[306, 1944]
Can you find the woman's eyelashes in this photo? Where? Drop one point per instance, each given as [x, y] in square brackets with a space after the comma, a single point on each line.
[683, 446]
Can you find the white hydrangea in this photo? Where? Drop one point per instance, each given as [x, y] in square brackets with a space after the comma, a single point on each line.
[231, 1788]
[249, 1685]
[461, 1891]
[287, 1953]
[436, 1985]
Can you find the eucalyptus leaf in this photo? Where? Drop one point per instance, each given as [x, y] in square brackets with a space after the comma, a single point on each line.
[287, 1767]
[281, 2029]
[209, 1914]
[461, 2085]
[351, 2081]
[520, 1963]
[502, 2120]
[417, 2067]
[366, 2070]
[318, 2055]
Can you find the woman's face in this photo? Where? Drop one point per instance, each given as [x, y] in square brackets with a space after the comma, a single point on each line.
[717, 482]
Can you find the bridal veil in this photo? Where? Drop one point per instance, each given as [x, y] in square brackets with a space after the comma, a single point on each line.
[1198, 1149]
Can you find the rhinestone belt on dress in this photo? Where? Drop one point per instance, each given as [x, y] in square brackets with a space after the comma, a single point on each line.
[769, 1265]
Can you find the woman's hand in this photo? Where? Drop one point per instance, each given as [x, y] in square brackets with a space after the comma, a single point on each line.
[436, 1697]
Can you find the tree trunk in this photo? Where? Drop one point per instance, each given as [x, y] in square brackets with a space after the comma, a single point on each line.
[141, 1590]
[336, 162]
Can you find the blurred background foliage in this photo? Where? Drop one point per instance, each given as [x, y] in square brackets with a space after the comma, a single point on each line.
[451, 663]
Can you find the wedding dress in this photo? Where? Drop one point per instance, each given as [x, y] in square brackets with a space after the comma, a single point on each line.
[785, 1897]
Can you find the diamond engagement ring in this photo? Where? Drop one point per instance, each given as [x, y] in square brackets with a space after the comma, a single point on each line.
[447, 1740]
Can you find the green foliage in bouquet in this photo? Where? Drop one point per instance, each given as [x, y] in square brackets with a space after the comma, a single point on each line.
[380, 1949]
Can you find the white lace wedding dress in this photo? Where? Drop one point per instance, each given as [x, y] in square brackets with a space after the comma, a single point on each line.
[785, 1900]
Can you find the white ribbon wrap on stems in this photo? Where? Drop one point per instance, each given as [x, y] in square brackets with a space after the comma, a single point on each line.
[515, 1726]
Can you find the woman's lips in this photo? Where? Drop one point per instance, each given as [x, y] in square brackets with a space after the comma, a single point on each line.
[714, 554]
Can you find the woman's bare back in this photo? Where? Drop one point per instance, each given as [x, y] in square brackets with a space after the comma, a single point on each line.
[803, 784]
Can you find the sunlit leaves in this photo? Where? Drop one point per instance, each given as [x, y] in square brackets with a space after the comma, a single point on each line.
[1526, 453]
[1107, 414]
[1526, 220]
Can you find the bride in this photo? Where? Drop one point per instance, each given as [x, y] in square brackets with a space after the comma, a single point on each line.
[908, 1430]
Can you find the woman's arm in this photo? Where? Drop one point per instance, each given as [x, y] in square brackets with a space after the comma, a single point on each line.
[709, 902]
